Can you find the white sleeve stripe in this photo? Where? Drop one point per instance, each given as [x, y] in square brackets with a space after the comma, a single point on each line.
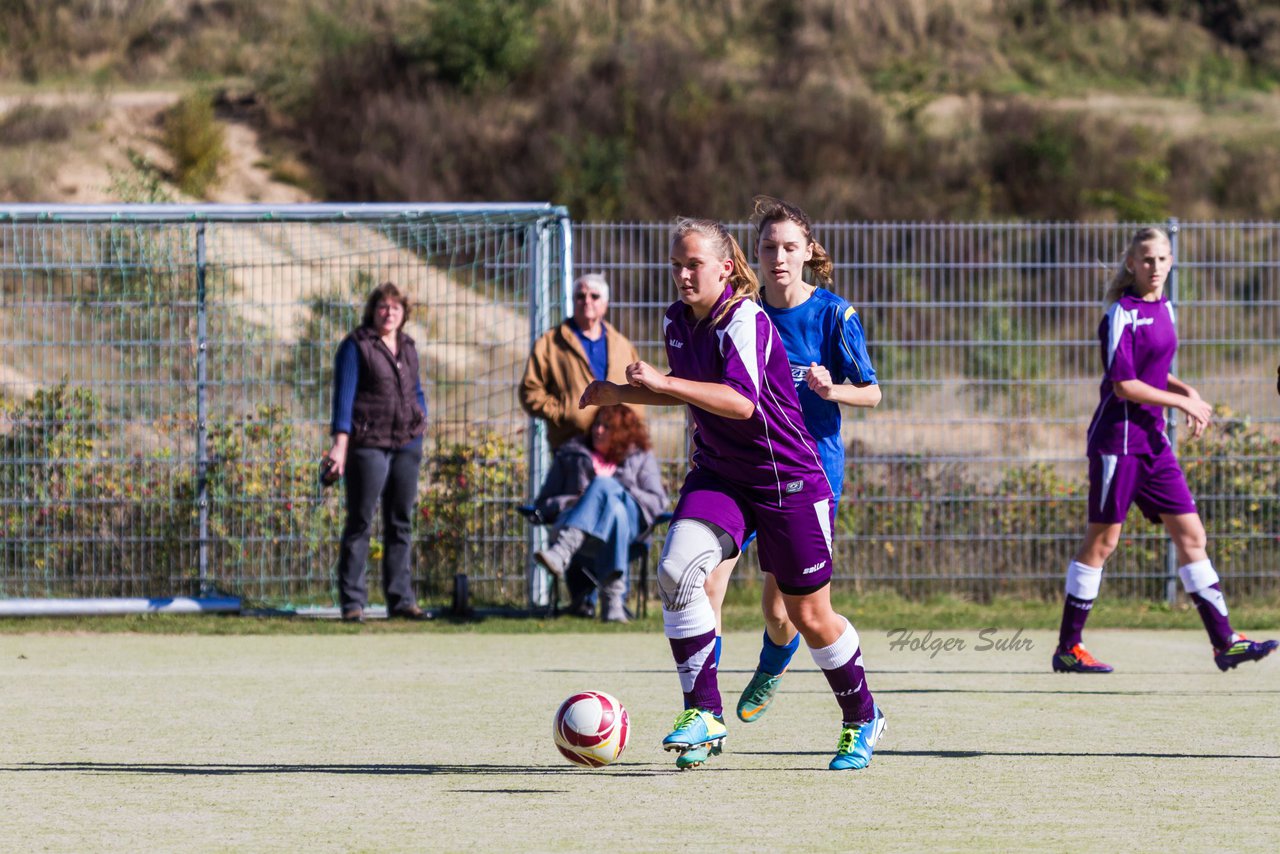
[741, 333]
[1119, 319]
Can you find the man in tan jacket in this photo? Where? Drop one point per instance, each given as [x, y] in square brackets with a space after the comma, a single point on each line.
[568, 357]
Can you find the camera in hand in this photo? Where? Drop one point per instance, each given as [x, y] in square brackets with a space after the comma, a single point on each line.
[328, 472]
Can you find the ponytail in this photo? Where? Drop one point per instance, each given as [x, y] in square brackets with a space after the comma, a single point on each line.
[742, 279]
[769, 209]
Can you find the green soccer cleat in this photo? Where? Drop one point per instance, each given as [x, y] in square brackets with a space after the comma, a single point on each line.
[696, 735]
[858, 742]
[757, 696]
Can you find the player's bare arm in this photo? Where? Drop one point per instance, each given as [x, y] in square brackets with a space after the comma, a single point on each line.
[605, 393]
[1199, 413]
[865, 395]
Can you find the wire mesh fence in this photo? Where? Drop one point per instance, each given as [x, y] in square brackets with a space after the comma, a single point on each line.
[970, 476]
[165, 383]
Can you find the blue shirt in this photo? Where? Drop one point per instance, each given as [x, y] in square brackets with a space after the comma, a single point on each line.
[827, 330]
[597, 351]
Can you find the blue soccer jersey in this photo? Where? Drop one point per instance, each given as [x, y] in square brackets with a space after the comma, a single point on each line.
[824, 329]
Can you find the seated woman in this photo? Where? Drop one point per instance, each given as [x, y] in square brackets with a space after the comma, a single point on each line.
[602, 493]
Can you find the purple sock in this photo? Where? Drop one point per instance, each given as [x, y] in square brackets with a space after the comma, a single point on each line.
[1212, 606]
[841, 663]
[696, 663]
[1074, 613]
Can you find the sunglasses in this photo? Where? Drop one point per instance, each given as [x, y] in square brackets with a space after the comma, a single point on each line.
[583, 296]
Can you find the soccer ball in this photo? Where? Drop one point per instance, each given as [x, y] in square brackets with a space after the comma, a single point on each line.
[591, 729]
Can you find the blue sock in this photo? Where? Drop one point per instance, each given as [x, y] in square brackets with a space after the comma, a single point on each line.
[719, 642]
[773, 658]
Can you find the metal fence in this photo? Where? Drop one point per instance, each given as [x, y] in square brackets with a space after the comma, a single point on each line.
[165, 382]
[970, 476]
[164, 390]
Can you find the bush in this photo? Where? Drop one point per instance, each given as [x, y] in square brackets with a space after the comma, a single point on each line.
[196, 142]
[463, 525]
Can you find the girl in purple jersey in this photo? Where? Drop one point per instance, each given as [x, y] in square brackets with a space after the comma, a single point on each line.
[755, 468]
[829, 365]
[1131, 460]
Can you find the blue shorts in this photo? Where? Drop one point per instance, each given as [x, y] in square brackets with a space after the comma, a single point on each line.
[1153, 481]
[794, 539]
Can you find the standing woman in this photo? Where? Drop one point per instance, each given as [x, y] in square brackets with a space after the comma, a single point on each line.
[379, 418]
[827, 350]
[755, 468]
[1130, 459]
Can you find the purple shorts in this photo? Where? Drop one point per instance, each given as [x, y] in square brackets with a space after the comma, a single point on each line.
[794, 540]
[1154, 481]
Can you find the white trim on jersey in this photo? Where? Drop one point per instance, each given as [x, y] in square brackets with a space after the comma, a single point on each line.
[1116, 329]
[742, 335]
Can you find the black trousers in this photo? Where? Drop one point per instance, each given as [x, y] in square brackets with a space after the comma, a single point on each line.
[392, 476]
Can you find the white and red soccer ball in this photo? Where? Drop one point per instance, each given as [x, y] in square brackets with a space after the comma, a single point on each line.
[591, 729]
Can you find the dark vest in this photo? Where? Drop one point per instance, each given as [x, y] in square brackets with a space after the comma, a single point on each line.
[386, 412]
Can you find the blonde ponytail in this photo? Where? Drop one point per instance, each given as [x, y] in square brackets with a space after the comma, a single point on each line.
[742, 279]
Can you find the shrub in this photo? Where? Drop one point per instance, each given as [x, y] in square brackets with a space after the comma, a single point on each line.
[463, 525]
[196, 142]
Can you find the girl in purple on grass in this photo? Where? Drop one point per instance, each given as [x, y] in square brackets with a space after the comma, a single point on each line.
[1131, 460]
[756, 467]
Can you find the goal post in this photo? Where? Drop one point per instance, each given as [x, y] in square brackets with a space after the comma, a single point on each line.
[165, 386]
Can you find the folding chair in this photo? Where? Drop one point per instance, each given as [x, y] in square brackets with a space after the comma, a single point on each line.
[638, 552]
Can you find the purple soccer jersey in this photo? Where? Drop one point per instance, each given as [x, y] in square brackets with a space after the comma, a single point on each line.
[1138, 341]
[770, 455]
[762, 473]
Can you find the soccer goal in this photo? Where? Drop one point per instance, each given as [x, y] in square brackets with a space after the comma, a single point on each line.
[165, 388]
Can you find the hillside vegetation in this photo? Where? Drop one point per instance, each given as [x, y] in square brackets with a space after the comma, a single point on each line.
[860, 109]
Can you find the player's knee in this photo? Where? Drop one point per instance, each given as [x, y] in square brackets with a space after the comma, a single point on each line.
[689, 554]
[1192, 542]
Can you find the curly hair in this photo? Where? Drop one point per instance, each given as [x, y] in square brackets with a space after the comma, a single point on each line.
[627, 432]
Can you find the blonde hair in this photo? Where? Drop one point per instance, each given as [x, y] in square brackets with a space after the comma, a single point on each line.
[1124, 278]
[770, 209]
[742, 278]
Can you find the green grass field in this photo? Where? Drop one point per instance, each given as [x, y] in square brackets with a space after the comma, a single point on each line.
[441, 741]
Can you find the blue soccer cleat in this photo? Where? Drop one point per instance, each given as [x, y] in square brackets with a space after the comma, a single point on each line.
[1242, 650]
[696, 735]
[858, 742]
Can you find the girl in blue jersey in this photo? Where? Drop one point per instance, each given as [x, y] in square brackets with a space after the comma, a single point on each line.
[1132, 462]
[827, 350]
[755, 468]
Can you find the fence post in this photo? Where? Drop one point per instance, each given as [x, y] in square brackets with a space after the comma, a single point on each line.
[1171, 418]
[540, 301]
[202, 409]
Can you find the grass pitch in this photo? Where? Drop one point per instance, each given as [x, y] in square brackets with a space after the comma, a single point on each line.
[442, 742]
